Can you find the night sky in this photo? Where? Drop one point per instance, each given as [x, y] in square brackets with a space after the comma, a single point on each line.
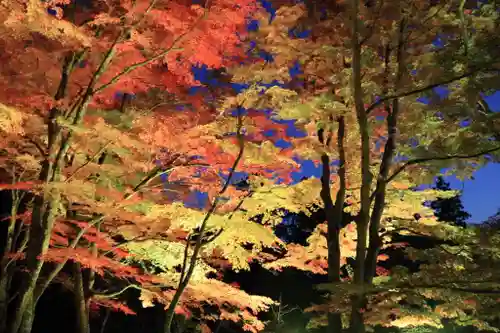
[481, 195]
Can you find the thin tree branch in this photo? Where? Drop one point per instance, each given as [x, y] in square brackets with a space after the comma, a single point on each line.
[117, 293]
[184, 264]
[42, 151]
[438, 158]
[199, 242]
[372, 26]
[240, 203]
[155, 57]
[105, 320]
[89, 160]
[379, 195]
[382, 100]
[447, 285]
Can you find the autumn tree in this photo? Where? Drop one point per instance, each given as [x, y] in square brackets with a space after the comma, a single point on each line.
[363, 66]
[91, 167]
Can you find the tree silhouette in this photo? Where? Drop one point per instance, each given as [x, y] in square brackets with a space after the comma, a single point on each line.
[494, 220]
[450, 209]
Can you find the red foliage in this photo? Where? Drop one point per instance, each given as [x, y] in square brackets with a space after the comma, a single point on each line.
[30, 75]
[182, 310]
[172, 37]
[87, 259]
[97, 302]
[382, 257]
[28, 185]
[381, 271]
[25, 217]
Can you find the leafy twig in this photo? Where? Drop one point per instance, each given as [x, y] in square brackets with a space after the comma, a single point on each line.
[41, 287]
[89, 160]
[199, 242]
[153, 58]
[119, 292]
[438, 158]
[382, 100]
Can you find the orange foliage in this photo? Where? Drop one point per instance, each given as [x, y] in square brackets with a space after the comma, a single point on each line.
[101, 202]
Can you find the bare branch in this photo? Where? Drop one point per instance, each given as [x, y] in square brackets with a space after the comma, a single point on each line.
[374, 23]
[445, 285]
[42, 151]
[113, 295]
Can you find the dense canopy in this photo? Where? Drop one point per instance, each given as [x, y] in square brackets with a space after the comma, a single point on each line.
[152, 149]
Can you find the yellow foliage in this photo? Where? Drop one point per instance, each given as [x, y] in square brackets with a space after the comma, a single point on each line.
[167, 255]
[28, 162]
[269, 197]
[11, 120]
[75, 190]
[237, 231]
[416, 320]
[21, 19]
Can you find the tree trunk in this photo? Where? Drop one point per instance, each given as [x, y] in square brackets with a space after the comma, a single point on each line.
[44, 210]
[4, 300]
[5, 276]
[334, 215]
[7, 264]
[38, 244]
[356, 320]
[188, 269]
[28, 319]
[82, 313]
[389, 151]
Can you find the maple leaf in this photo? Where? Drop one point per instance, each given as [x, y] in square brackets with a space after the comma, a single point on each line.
[114, 305]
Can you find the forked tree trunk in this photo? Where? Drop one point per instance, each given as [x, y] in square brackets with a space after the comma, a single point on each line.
[45, 206]
[44, 210]
[40, 231]
[356, 322]
[334, 216]
[7, 265]
[366, 260]
[393, 109]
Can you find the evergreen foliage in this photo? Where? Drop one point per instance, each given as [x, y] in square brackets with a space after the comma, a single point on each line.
[450, 209]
